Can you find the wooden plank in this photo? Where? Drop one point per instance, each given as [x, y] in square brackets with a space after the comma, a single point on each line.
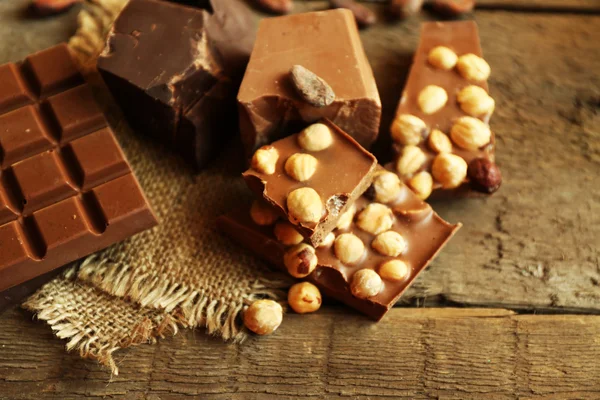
[555, 6]
[412, 354]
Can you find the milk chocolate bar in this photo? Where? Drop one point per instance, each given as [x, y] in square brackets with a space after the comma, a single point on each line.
[174, 71]
[368, 261]
[441, 130]
[312, 178]
[66, 189]
[326, 43]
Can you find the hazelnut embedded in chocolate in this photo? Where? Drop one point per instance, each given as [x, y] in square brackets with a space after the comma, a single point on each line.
[314, 90]
[265, 159]
[300, 260]
[301, 166]
[484, 175]
[366, 283]
[348, 248]
[305, 205]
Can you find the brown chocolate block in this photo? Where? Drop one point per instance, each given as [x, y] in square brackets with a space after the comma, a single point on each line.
[66, 189]
[326, 43]
[442, 70]
[339, 174]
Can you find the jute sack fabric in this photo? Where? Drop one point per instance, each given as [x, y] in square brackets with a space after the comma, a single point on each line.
[182, 273]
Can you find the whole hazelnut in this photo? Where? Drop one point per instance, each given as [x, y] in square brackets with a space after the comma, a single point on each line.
[265, 159]
[442, 57]
[475, 101]
[263, 317]
[410, 161]
[408, 129]
[375, 218]
[345, 220]
[394, 270]
[262, 213]
[300, 166]
[385, 187]
[348, 248]
[449, 169]
[439, 142]
[328, 241]
[305, 205]
[470, 133]
[316, 137]
[431, 99]
[484, 175]
[287, 234]
[421, 184]
[366, 283]
[389, 243]
[304, 297]
[300, 260]
[473, 67]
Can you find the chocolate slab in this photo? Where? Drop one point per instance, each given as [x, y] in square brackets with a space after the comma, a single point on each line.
[344, 172]
[66, 189]
[423, 230]
[326, 43]
[462, 37]
[173, 70]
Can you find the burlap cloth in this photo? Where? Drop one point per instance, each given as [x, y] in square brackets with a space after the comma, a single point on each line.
[180, 274]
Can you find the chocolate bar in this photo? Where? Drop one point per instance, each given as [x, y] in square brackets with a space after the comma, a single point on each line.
[369, 261]
[174, 71]
[442, 121]
[66, 189]
[326, 43]
[311, 178]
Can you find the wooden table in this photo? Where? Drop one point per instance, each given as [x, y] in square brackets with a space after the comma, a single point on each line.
[532, 247]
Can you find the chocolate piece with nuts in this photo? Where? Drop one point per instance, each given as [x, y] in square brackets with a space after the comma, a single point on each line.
[314, 90]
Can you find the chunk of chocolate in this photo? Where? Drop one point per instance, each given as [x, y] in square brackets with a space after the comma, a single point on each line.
[326, 43]
[66, 189]
[174, 71]
[311, 178]
[441, 123]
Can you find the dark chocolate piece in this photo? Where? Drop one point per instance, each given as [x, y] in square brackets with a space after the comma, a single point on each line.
[66, 189]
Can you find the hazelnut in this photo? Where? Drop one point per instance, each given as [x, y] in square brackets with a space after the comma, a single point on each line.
[304, 297]
[484, 175]
[432, 99]
[265, 159]
[470, 133]
[394, 270]
[421, 184]
[410, 161]
[262, 213]
[385, 187]
[366, 283]
[375, 218]
[300, 260]
[449, 169]
[389, 243]
[328, 241]
[300, 166]
[348, 248]
[287, 234]
[442, 57]
[316, 137]
[475, 101]
[439, 142]
[263, 317]
[473, 68]
[408, 129]
[346, 218]
[304, 205]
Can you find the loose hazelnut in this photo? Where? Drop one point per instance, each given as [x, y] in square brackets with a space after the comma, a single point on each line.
[366, 283]
[408, 129]
[328, 241]
[432, 99]
[394, 270]
[346, 218]
[389, 243]
[348, 248]
[304, 205]
[484, 175]
[375, 218]
[470, 133]
[263, 317]
[421, 184]
[410, 161]
[262, 213]
[475, 101]
[300, 166]
[439, 142]
[300, 260]
[316, 137]
[287, 234]
[442, 57]
[385, 187]
[473, 68]
[304, 297]
[449, 169]
[265, 159]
